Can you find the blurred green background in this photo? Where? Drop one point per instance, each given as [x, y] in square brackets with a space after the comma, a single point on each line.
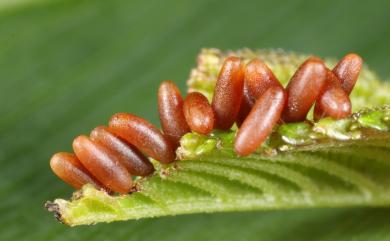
[66, 66]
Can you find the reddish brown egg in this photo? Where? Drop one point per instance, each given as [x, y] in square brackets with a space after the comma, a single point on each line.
[67, 167]
[333, 101]
[102, 164]
[170, 107]
[135, 162]
[143, 135]
[198, 113]
[258, 78]
[347, 70]
[303, 89]
[228, 93]
[259, 124]
[246, 105]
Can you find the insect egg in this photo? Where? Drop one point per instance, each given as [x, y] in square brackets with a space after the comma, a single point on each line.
[170, 107]
[198, 113]
[103, 164]
[258, 78]
[67, 167]
[347, 70]
[130, 157]
[259, 124]
[143, 135]
[228, 93]
[333, 101]
[303, 89]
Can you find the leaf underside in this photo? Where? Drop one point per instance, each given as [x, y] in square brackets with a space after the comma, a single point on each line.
[340, 173]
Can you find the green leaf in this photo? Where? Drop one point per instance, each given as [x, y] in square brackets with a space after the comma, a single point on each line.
[302, 165]
[220, 181]
[67, 65]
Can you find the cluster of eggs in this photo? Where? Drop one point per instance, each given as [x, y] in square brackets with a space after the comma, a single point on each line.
[246, 94]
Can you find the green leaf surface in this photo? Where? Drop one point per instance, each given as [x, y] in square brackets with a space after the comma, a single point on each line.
[329, 172]
[66, 66]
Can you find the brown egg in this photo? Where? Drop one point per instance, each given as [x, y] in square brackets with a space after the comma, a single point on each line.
[258, 78]
[143, 135]
[228, 93]
[347, 71]
[102, 164]
[198, 113]
[131, 158]
[67, 167]
[264, 115]
[170, 107]
[303, 89]
[333, 101]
